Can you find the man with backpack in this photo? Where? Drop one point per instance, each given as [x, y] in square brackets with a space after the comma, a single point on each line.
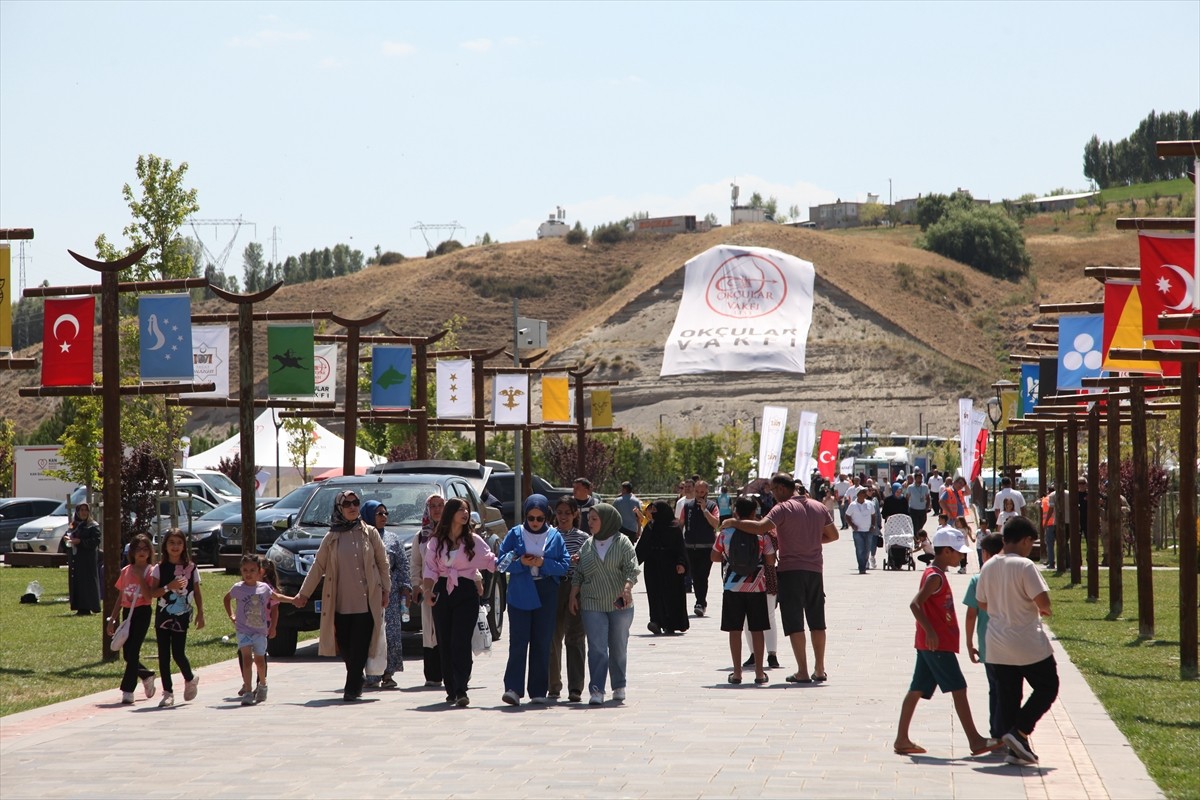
[804, 526]
[699, 534]
[746, 556]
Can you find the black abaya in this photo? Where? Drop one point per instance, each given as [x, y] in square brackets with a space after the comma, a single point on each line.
[83, 569]
[661, 550]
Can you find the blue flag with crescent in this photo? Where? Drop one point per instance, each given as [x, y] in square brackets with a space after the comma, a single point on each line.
[165, 327]
[391, 377]
[1029, 387]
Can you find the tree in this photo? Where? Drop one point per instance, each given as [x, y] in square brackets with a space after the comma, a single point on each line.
[577, 235]
[983, 237]
[254, 268]
[158, 213]
[711, 219]
[300, 443]
[871, 214]
[562, 457]
[7, 454]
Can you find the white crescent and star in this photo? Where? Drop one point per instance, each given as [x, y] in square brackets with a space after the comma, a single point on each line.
[822, 457]
[1164, 286]
[65, 347]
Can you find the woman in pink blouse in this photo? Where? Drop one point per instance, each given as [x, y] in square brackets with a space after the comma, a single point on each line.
[452, 555]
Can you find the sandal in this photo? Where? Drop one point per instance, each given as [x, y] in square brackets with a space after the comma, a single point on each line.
[820, 678]
[762, 680]
[794, 679]
[734, 679]
[910, 750]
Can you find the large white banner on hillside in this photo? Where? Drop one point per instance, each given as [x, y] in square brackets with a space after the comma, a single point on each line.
[744, 309]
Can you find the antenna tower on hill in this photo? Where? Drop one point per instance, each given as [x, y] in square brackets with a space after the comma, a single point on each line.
[218, 259]
[425, 228]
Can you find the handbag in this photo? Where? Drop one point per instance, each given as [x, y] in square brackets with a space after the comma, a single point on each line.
[879, 540]
[121, 634]
[481, 638]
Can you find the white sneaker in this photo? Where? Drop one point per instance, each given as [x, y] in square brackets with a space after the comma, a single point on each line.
[619, 695]
[191, 688]
[248, 699]
[260, 693]
[148, 686]
[511, 698]
[596, 699]
[872, 562]
[126, 698]
[167, 701]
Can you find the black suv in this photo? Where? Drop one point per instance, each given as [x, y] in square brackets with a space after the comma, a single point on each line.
[502, 484]
[404, 495]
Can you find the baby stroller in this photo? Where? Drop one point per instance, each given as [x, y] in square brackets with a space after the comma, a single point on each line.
[898, 542]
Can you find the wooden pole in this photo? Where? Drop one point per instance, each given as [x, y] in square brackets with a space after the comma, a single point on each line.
[1060, 509]
[480, 422]
[1141, 516]
[421, 354]
[1116, 548]
[1093, 506]
[110, 367]
[1041, 491]
[1187, 521]
[1075, 553]
[350, 419]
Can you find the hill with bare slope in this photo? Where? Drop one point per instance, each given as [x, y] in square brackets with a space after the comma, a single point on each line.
[897, 331]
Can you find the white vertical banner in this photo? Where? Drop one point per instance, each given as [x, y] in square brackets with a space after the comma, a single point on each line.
[806, 439]
[510, 399]
[455, 389]
[966, 442]
[210, 359]
[770, 444]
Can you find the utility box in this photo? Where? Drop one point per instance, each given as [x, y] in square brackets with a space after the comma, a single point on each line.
[531, 333]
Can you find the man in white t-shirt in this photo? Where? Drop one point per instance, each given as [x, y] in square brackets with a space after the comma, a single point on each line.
[936, 482]
[1015, 596]
[842, 488]
[1007, 491]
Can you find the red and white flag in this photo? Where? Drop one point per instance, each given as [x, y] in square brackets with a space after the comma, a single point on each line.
[827, 451]
[67, 341]
[981, 443]
[1168, 283]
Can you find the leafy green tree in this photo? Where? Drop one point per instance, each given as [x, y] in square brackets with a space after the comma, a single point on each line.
[577, 235]
[300, 443]
[983, 237]
[254, 268]
[162, 207]
[7, 454]
[872, 214]
[611, 233]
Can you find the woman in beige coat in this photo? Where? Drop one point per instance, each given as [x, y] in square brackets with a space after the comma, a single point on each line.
[354, 564]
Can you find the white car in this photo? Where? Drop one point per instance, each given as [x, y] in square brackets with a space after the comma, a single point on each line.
[45, 534]
[218, 482]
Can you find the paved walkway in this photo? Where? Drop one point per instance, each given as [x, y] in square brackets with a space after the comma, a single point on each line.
[683, 732]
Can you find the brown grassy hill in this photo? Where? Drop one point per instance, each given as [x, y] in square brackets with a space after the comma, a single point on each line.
[897, 332]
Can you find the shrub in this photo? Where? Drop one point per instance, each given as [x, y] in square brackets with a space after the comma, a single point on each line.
[576, 235]
[390, 257]
[982, 237]
[611, 233]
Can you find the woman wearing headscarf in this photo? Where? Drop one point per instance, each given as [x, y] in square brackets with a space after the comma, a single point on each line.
[429, 645]
[662, 553]
[83, 573]
[358, 585]
[895, 503]
[393, 620]
[537, 560]
[452, 557]
[602, 592]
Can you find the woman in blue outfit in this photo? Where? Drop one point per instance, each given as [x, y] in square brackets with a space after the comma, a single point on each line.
[538, 561]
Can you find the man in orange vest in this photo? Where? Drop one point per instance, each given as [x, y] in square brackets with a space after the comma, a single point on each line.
[1047, 504]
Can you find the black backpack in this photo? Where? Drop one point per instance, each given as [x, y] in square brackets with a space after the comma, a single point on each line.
[744, 556]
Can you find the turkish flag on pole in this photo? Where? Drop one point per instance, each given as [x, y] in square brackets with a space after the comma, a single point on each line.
[67, 341]
[1167, 284]
[827, 450]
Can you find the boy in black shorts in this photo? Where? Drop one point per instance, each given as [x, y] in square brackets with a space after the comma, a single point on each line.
[744, 603]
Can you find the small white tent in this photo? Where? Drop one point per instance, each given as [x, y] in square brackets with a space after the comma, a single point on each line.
[326, 453]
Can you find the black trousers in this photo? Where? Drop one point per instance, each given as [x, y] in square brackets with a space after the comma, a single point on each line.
[700, 566]
[171, 644]
[918, 516]
[454, 616]
[433, 664]
[353, 635]
[135, 670]
[1043, 680]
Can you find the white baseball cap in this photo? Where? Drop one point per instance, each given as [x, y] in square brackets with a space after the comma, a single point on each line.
[948, 538]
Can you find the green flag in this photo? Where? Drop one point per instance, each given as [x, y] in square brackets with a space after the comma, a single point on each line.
[290, 360]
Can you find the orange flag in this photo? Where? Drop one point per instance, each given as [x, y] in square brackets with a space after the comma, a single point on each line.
[1123, 326]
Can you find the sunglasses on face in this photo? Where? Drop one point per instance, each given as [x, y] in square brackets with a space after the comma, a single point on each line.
[351, 503]
[381, 511]
[532, 518]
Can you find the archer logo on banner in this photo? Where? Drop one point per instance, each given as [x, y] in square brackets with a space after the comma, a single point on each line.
[827, 451]
[290, 356]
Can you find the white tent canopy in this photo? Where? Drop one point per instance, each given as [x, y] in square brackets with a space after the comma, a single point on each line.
[327, 452]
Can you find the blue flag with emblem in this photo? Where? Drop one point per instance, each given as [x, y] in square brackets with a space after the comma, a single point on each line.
[1029, 387]
[1080, 338]
[165, 326]
[391, 377]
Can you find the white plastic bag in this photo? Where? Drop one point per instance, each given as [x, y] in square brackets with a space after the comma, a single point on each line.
[481, 639]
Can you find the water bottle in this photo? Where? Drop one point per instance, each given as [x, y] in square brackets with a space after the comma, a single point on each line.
[505, 560]
[404, 615]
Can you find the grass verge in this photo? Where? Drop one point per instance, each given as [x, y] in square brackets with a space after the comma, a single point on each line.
[47, 654]
[1137, 680]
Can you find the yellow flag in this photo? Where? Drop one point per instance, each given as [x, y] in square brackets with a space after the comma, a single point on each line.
[1010, 407]
[556, 404]
[602, 416]
[5, 297]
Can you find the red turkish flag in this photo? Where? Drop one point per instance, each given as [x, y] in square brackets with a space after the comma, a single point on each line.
[1168, 265]
[67, 341]
[827, 450]
[981, 443]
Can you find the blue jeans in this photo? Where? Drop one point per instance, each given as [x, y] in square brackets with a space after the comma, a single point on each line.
[1048, 556]
[529, 635]
[862, 546]
[607, 646]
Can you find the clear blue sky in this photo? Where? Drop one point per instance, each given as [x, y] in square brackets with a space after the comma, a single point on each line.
[351, 122]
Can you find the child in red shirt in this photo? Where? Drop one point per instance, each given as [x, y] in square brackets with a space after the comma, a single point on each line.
[937, 648]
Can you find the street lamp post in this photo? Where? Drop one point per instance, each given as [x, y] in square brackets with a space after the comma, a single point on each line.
[994, 412]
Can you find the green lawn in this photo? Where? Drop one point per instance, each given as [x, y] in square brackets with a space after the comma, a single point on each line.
[47, 654]
[1137, 680]
[1120, 194]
